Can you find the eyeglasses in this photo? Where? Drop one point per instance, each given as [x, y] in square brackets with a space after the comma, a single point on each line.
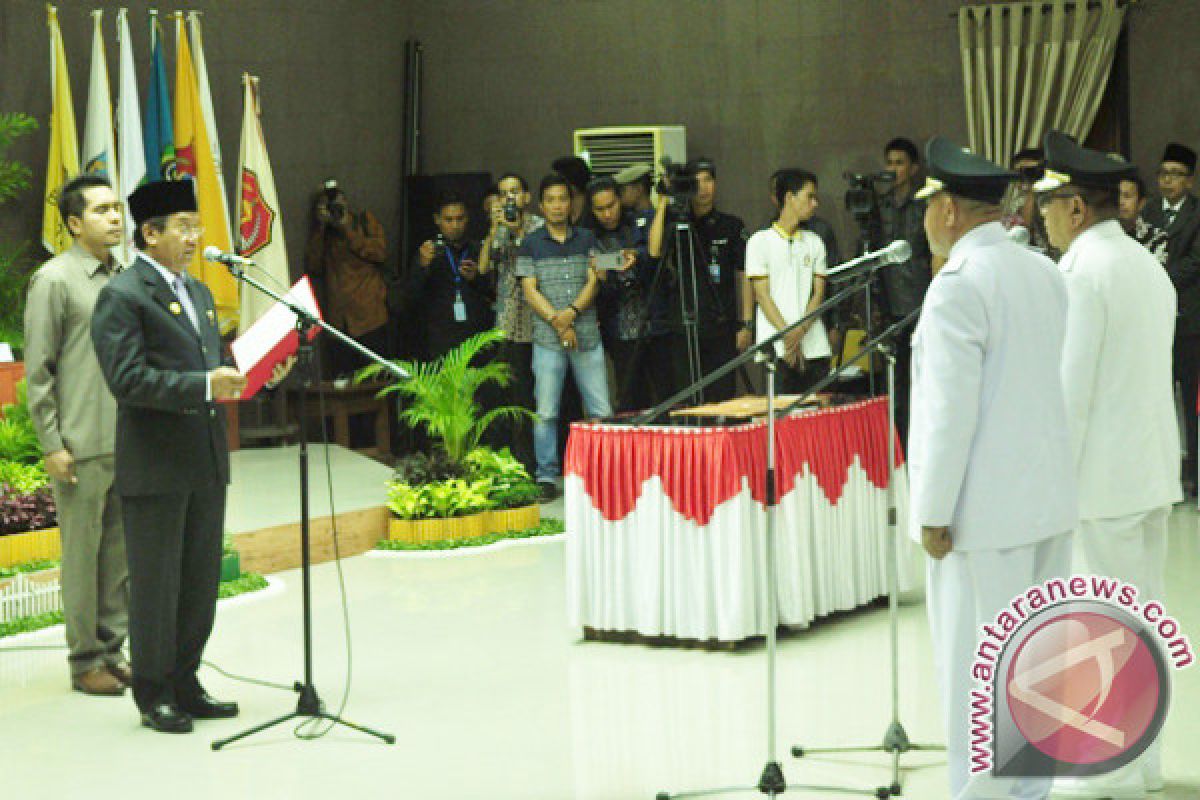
[190, 230]
[1044, 200]
[1165, 172]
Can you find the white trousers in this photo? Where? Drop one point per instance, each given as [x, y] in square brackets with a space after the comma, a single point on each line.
[1132, 549]
[966, 590]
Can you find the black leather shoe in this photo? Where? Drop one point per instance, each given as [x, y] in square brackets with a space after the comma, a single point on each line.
[203, 706]
[166, 718]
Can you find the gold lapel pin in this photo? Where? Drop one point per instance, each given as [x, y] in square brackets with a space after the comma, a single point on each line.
[176, 308]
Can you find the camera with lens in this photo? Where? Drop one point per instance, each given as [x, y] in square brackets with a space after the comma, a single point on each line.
[329, 200]
[861, 196]
[510, 210]
[679, 184]
[439, 245]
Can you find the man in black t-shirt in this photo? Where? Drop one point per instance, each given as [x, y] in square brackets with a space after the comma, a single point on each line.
[718, 241]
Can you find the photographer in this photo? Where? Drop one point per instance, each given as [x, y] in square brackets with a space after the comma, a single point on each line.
[455, 302]
[902, 216]
[510, 222]
[347, 250]
[621, 304]
[718, 241]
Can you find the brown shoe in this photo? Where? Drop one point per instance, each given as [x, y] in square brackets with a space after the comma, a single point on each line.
[98, 681]
[121, 672]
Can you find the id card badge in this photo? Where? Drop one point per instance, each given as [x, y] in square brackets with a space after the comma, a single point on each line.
[460, 308]
[714, 271]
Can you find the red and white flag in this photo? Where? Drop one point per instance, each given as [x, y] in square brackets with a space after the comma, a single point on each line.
[260, 226]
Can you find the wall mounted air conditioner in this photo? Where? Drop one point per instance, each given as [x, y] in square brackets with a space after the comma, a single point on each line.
[610, 150]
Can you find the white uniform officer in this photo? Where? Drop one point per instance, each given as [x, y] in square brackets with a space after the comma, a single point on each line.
[993, 497]
[1117, 381]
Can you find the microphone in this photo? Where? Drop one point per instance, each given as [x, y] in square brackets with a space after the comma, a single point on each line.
[897, 252]
[213, 253]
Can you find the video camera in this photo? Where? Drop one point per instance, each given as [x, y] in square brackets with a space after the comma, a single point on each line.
[861, 196]
[678, 183]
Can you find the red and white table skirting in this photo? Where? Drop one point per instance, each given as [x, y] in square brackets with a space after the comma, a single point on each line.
[666, 526]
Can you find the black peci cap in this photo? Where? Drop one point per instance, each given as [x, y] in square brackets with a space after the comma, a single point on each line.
[160, 198]
[955, 169]
[1067, 163]
[1181, 154]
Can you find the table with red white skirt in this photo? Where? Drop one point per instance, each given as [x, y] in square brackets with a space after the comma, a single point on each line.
[666, 525]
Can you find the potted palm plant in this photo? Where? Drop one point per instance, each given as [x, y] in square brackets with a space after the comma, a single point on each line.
[461, 489]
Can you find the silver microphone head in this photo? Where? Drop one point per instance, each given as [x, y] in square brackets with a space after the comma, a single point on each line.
[1019, 234]
[898, 252]
[212, 253]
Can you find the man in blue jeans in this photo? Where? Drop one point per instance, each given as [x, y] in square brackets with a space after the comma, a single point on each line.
[554, 264]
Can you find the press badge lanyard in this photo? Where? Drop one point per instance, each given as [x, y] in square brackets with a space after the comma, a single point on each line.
[460, 307]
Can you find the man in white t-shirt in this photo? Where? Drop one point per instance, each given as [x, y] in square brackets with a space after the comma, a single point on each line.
[786, 269]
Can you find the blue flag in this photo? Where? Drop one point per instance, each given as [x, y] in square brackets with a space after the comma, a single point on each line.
[159, 133]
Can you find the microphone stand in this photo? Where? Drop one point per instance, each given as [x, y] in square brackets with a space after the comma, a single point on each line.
[309, 704]
[895, 738]
[771, 782]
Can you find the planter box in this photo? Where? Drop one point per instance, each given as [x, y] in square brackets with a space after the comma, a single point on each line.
[231, 567]
[515, 519]
[17, 548]
[438, 530]
[417, 531]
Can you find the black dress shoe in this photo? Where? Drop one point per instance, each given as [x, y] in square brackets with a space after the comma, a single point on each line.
[203, 706]
[166, 718]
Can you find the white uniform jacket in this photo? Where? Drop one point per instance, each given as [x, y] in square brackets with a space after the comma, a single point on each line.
[989, 449]
[1117, 374]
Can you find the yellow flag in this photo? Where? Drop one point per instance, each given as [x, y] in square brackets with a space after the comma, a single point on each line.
[193, 156]
[63, 162]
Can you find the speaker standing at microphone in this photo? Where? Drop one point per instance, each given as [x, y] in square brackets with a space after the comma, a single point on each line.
[786, 269]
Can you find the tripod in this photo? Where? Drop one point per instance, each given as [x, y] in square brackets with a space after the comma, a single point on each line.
[895, 738]
[309, 704]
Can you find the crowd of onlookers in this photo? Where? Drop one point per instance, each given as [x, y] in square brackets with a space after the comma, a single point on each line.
[598, 276]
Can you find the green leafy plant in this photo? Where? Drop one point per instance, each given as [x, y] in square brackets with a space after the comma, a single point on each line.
[37, 565]
[548, 527]
[18, 439]
[27, 624]
[23, 478]
[512, 486]
[14, 267]
[449, 498]
[441, 394]
[248, 582]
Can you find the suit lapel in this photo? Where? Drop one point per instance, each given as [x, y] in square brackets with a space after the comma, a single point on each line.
[165, 296]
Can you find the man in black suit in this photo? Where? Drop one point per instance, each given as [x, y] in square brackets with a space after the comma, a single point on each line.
[1178, 213]
[157, 341]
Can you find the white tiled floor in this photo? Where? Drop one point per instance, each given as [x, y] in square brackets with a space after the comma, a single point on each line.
[470, 663]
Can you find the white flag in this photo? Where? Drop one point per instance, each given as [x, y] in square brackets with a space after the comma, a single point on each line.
[260, 228]
[206, 108]
[99, 153]
[130, 148]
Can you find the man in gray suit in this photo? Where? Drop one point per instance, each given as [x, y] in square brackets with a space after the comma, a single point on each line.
[75, 418]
